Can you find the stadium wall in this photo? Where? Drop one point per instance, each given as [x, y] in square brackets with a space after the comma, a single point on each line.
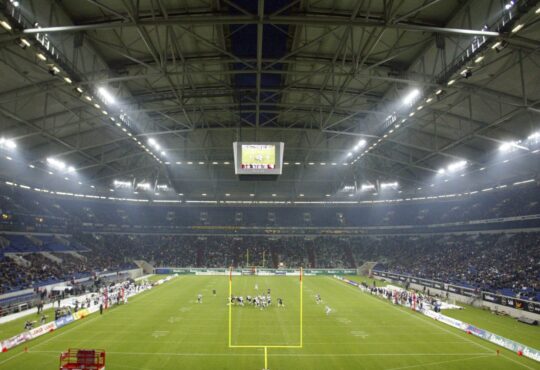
[246, 271]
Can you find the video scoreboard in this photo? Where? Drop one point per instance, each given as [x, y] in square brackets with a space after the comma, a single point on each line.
[258, 158]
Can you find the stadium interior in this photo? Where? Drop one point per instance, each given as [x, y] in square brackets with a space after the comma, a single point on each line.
[369, 142]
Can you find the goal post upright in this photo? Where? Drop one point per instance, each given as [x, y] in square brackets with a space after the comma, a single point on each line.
[301, 307]
[230, 307]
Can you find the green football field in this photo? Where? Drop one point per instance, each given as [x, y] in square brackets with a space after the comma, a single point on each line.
[254, 155]
[166, 329]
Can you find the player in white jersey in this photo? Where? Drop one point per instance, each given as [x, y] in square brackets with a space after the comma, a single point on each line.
[199, 298]
[328, 310]
[318, 298]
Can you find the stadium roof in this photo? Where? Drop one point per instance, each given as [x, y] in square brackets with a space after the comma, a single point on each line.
[90, 82]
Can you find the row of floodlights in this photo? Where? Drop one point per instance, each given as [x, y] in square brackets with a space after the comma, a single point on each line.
[102, 93]
[141, 185]
[414, 95]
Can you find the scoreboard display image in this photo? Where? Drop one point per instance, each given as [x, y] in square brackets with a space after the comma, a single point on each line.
[258, 158]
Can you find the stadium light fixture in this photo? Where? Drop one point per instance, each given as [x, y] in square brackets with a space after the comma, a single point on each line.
[23, 43]
[6, 25]
[367, 187]
[496, 45]
[143, 185]
[537, 11]
[451, 82]
[479, 59]
[121, 184]
[106, 95]
[456, 166]
[438, 92]
[68, 80]
[534, 137]
[56, 163]
[389, 185]
[511, 146]
[411, 97]
[509, 5]
[7, 143]
[41, 56]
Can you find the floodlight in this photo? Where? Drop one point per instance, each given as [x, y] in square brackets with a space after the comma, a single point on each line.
[386, 185]
[6, 25]
[410, 97]
[143, 185]
[7, 143]
[456, 166]
[23, 43]
[106, 95]
[122, 184]
[56, 163]
[366, 187]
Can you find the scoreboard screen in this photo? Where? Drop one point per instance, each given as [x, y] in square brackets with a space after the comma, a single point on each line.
[258, 158]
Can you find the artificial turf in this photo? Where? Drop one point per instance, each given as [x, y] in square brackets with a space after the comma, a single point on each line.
[166, 329]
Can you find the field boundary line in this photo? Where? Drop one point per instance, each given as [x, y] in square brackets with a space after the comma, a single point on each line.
[439, 362]
[200, 354]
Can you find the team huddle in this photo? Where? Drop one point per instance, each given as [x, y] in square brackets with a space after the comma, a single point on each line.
[261, 301]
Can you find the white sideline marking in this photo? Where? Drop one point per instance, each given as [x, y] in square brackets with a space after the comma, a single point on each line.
[438, 362]
[182, 354]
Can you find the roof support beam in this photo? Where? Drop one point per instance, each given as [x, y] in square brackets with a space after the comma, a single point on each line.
[308, 19]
